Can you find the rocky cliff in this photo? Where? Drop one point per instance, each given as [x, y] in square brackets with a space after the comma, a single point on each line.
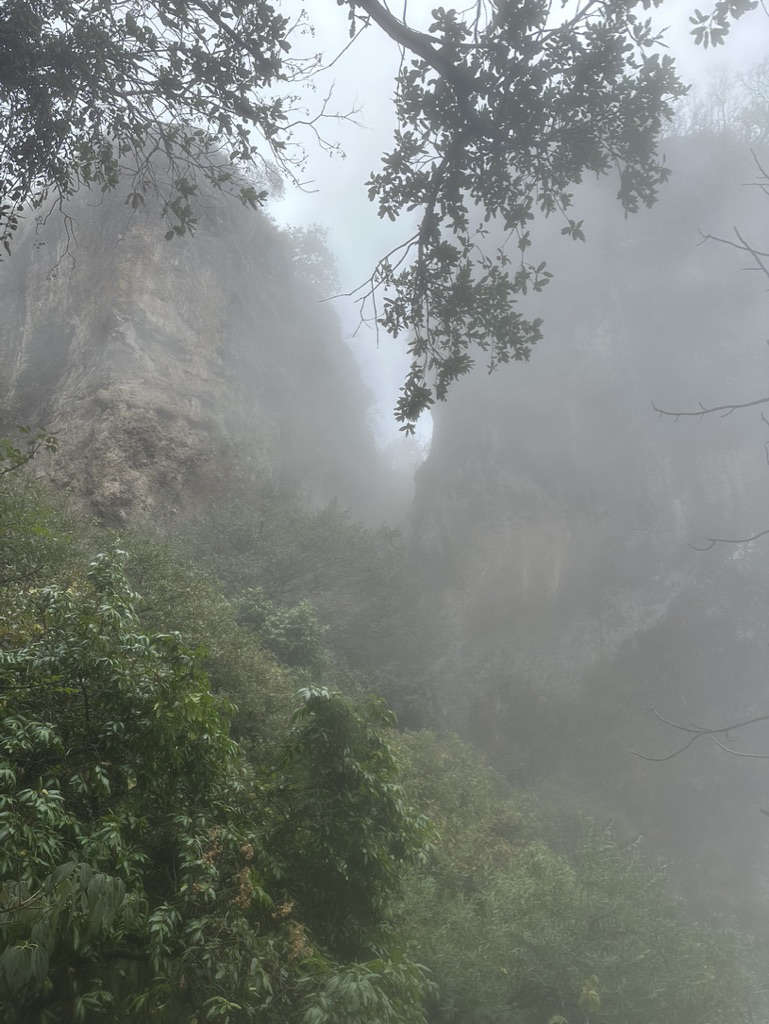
[556, 511]
[553, 518]
[555, 505]
[168, 369]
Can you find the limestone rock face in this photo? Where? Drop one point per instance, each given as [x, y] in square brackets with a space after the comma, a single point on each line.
[165, 368]
[556, 509]
[555, 516]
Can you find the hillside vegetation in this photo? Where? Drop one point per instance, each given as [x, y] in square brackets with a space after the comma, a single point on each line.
[265, 759]
[205, 817]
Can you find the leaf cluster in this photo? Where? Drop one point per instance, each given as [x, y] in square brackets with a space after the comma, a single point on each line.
[149, 864]
[516, 111]
[321, 589]
[348, 831]
[151, 867]
[501, 111]
[712, 27]
[89, 90]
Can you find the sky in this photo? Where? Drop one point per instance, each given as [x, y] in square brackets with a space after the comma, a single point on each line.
[334, 195]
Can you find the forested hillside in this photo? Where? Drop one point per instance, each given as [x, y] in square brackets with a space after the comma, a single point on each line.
[231, 785]
[204, 817]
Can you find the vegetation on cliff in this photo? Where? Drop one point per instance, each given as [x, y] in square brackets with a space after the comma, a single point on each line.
[206, 813]
[197, 825]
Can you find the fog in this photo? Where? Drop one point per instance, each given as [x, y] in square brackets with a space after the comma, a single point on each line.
[599, 502]
[559, 518]
[569, 512]
[333, 195]
[307, 721]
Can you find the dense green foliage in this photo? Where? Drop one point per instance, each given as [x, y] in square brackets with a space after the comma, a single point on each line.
[349, 591]
[149, 866]
[82, 84]
[347, 832]
[523, 107]
[186, 839]
[204, 813]
[528, 916]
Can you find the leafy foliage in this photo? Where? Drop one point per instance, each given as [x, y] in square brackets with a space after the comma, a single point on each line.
[294, 635]
[711, 28]
[179, 596]
[153, 868]
[389, 992]
[499, 114]
[137, 840]
[513, 929]
[359, 582]
[88, 88]
[501, 110]
[348, 829]
[14, 455]
[127, 845]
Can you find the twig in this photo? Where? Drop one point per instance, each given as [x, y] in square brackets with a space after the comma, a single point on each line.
[704, 410]
[666, 757]
[696, 732]
[712, 541]
[739, 753]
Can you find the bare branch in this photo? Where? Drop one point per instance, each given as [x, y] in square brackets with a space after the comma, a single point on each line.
[675, 725]
[743, 246]
[739, 753]
[740, 244]
[712, 541]
[343, 51]
[696, 732]
[419, 43]
[666, 757]
[726, 410]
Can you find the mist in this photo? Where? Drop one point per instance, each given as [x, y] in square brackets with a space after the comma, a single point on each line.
[306, 718]
[332, 193]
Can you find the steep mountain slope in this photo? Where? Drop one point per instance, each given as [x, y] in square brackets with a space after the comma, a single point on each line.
[556, 510]
[169, 369]
[552, 593]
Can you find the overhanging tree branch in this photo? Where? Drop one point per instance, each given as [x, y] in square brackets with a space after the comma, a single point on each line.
[712, 541]
[696, 732]
[421, 44]
[500, 112]
[726, 409]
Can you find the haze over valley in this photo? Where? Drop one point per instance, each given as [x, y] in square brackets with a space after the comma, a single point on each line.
[312, 711]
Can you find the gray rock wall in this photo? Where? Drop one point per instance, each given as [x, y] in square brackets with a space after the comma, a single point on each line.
[556, 507]
[554, 518]
[166, 369]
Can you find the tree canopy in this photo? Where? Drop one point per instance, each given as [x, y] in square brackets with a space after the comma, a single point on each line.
[148, 868]
[177, 845]
[502, 108]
